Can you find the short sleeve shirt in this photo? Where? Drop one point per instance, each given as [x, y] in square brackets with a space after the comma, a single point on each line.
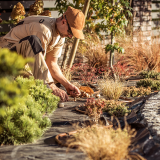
[52, 43]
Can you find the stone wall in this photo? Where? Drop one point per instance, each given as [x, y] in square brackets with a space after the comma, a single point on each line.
[142, 20]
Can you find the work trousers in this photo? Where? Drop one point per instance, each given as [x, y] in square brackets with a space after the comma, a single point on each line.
[30, 46]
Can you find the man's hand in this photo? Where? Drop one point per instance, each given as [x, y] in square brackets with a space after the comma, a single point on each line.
[59, 92]
[73, 90]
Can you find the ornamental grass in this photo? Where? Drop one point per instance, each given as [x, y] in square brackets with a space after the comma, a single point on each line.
[111, 89]
[139, 55]
[101, 143]
[93, 50]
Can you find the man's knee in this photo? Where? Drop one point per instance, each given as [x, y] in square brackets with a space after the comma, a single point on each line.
[35, 43]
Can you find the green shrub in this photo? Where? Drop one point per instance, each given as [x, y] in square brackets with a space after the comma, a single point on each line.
[23, 102]
[116, 108]
[135, 92]
[23, 124]
[11, 63]
[40, 93]
[153, 84]
[150, 74]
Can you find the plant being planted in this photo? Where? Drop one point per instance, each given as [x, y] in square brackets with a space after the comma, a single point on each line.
[150, 74]
[100, 143]
[116, 108]
[135, 92]
[153, 84]
[110, 89]
[94, 108]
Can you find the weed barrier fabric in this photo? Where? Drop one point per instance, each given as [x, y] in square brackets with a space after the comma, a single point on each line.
[142, 142]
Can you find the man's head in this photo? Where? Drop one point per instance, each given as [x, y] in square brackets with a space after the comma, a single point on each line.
[71, 23]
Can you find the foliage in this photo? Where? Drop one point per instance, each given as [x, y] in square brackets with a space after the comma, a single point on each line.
[113, 16]
[40, 93]
[23, 124]
[116, 108]
[11, 63]
[110, 89]
[136, 92]
[67, 73]
[26, 122]
[150, 74]
[153, 84]
[85, 72]
[93, 50]
[101, 143]
[94, 107]
[112, 48]
[140, 56]
[18, 12]
[24, 102]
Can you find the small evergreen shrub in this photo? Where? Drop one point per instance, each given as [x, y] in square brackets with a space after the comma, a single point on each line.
[116, 108]
[135, 92]
[11, 63]
[40, 93]
[153, 84]
[150, 74]
[23, 102]
[23, 124]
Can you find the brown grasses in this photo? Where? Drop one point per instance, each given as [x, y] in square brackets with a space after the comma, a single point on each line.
[140, 56]
[111, 89]
[67, 73]
[93, 50]
[101, 143]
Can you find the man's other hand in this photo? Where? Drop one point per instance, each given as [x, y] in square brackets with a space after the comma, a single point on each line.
[73, 90]
[59, 92]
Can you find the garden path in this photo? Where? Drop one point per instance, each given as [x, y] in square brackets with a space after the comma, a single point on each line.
[46, 147]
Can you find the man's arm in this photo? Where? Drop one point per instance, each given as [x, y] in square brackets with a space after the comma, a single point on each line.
[57, 74]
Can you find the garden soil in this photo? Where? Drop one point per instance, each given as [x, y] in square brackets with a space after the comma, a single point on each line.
[62, 121]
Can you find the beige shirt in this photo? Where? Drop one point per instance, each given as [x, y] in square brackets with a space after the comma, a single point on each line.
[51, 42]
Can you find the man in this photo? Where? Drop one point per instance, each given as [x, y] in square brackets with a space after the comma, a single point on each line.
[43, 38]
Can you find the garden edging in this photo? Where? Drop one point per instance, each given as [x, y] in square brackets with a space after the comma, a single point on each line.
[151, 115]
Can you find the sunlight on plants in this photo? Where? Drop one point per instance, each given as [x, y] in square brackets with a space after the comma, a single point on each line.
[100, 143]
[110, 89]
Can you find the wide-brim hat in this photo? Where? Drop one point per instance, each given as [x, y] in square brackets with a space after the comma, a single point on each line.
[76, 21]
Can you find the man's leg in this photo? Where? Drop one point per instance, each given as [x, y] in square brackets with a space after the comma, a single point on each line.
[31, 47]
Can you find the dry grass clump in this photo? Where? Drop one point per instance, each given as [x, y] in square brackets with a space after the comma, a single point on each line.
[111, 89]
[140, 56]
[100, 143]
[93, 50]
[67, 73]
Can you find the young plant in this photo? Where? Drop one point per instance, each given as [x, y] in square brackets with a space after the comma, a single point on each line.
[94, 108]
[100, 143]
[116, 108]
[136, 92]
[110, 89]
[150, 74]
[153, 84]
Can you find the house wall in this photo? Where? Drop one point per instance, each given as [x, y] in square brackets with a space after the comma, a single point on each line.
[142, 20]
